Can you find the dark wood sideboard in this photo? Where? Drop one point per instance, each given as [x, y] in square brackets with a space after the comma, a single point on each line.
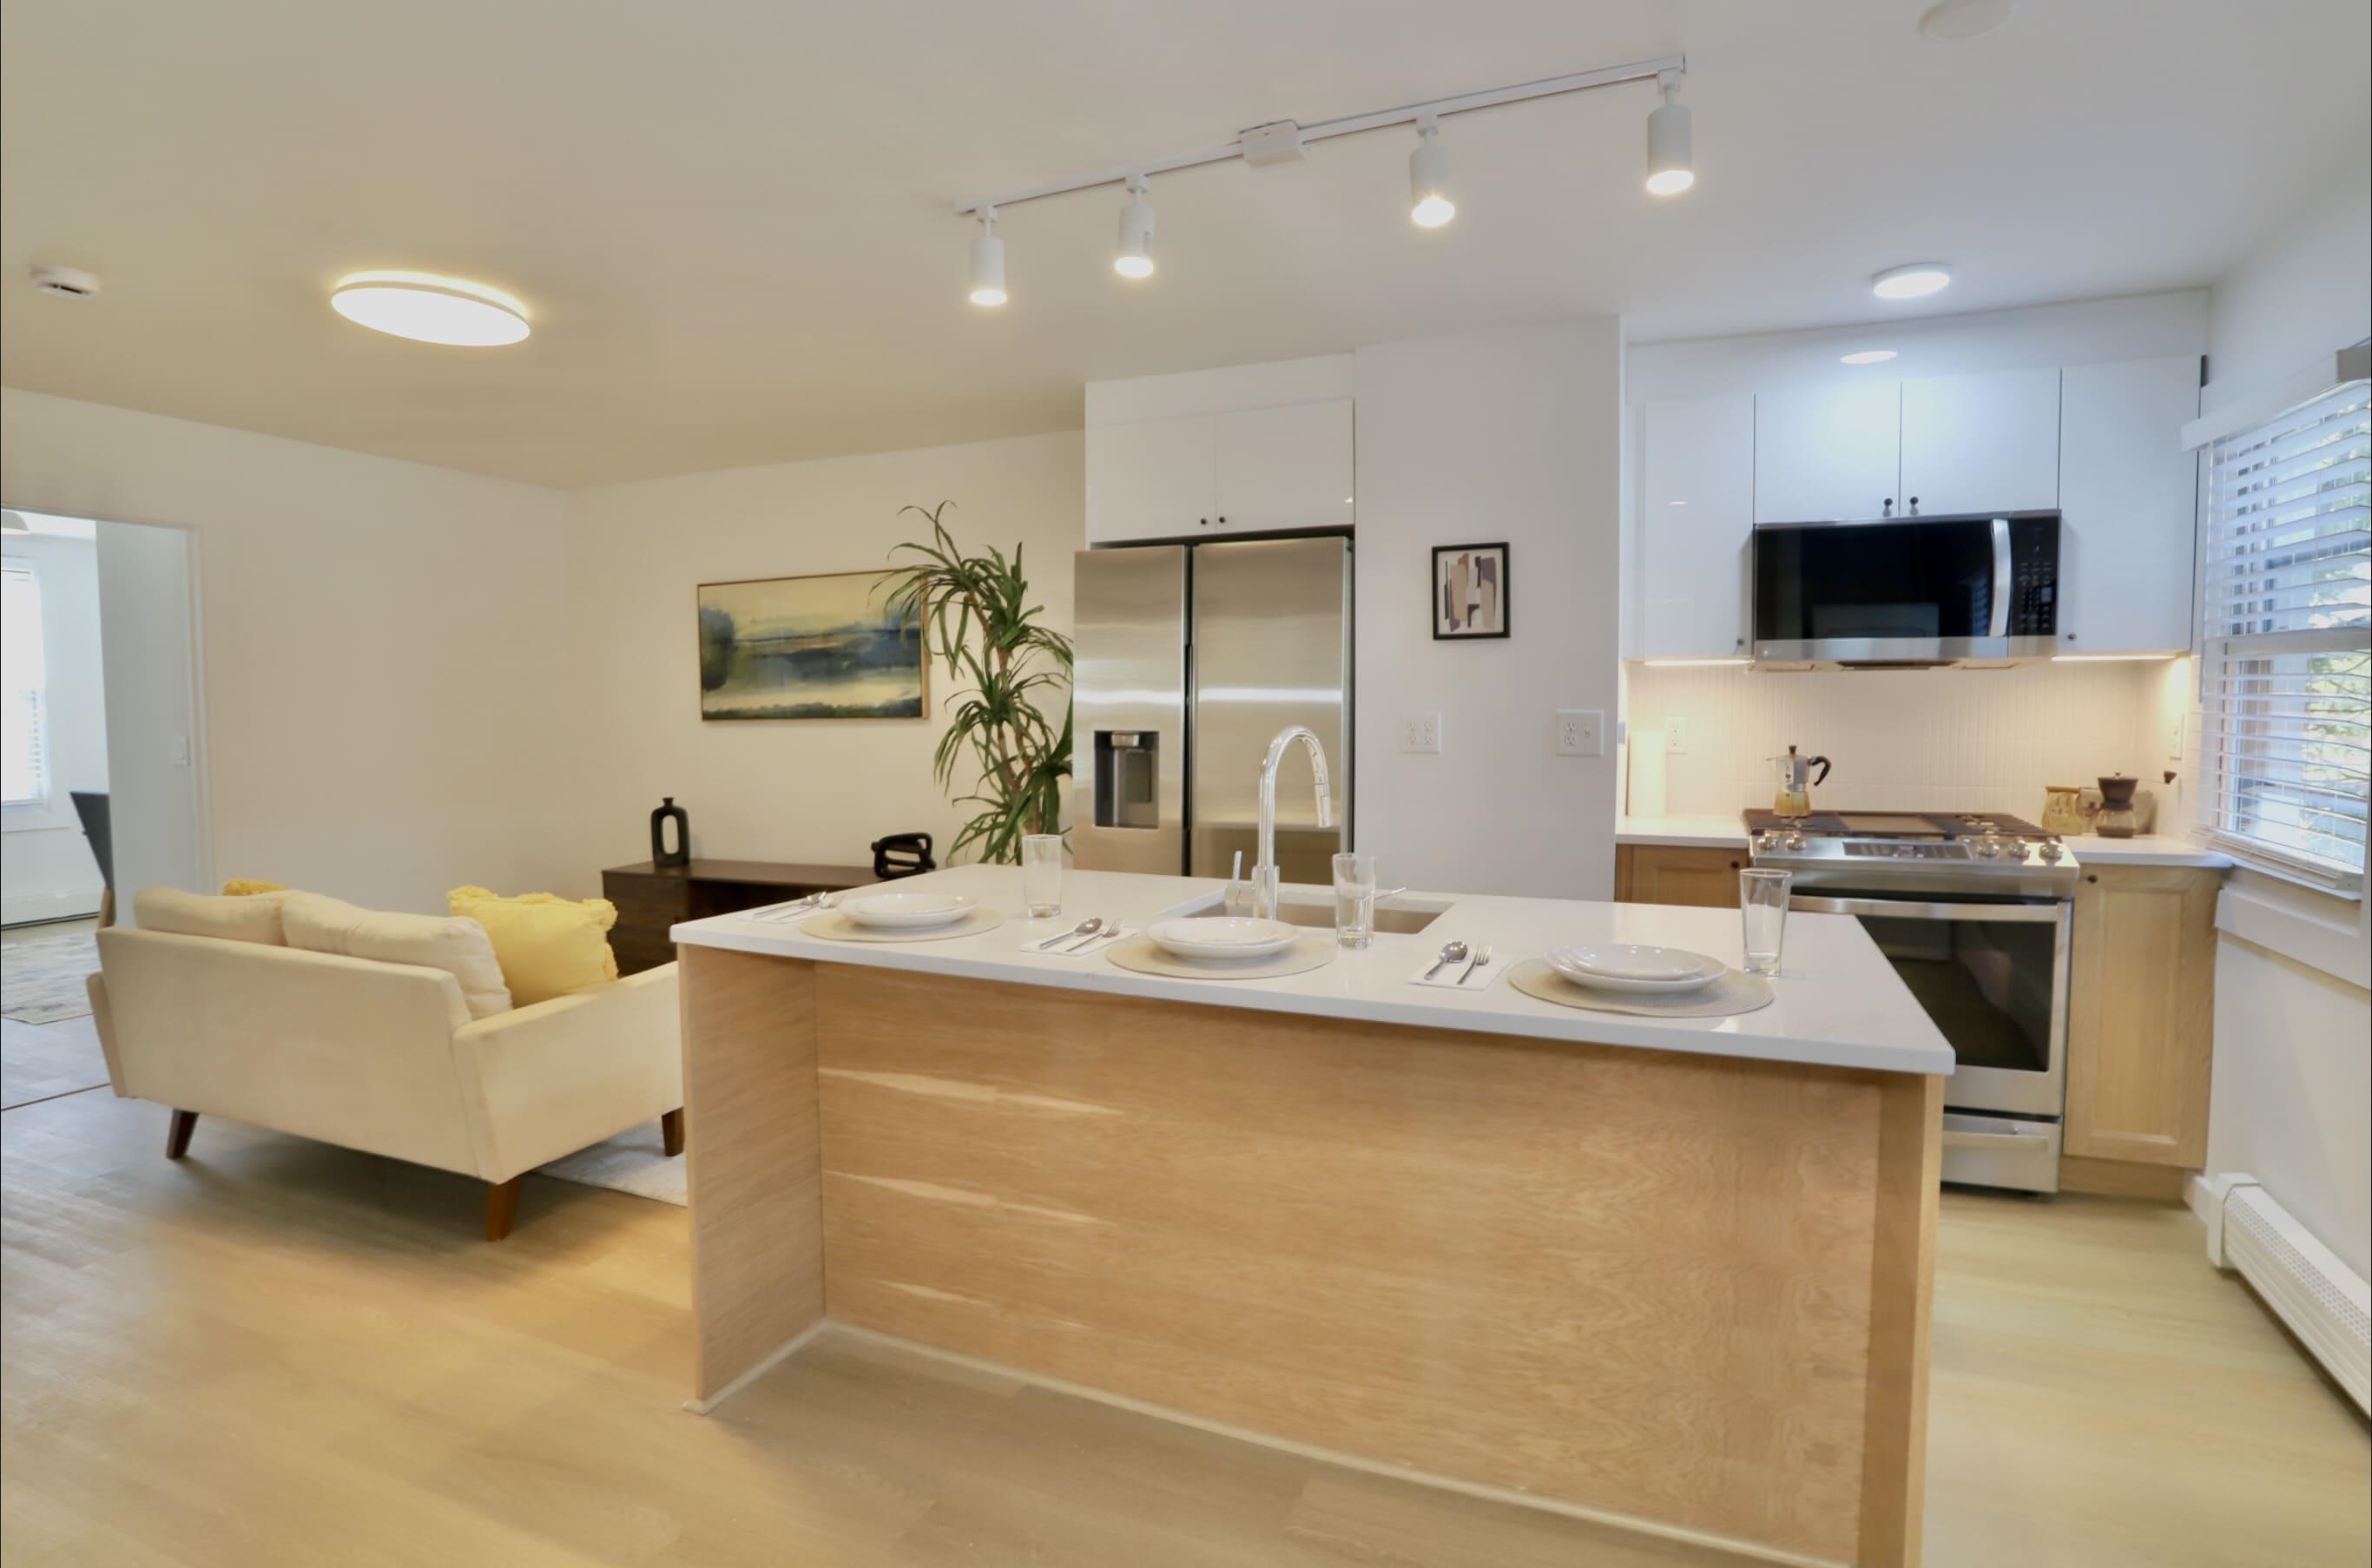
[651, 898]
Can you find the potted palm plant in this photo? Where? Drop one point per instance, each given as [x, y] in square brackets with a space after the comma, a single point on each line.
[1010, 672]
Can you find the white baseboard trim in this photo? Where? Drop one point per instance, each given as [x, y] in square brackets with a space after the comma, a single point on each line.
[2327, 1305]
[29, 909]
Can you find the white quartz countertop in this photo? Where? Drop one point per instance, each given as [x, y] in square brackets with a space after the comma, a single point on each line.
[1687, 832]
[2147, 849]
[1839, 1002]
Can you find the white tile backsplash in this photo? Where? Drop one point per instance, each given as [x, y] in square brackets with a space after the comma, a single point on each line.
[1920, 740]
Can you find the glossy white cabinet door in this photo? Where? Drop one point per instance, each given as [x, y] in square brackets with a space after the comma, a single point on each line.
[2128, 497]
[1154, 479]
[1696, 525]
[1285, 468]
[1827, 452]
[1982, 442]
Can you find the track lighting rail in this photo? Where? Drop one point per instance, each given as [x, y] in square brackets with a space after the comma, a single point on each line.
[1348, 125]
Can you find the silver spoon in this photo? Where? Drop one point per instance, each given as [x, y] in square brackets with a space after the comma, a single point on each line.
[1452, 952]
[1092, 923]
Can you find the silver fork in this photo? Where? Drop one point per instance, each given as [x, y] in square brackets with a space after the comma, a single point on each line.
[1482, 957]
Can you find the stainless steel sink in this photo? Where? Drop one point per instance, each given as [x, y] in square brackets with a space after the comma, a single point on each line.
[1314, 907]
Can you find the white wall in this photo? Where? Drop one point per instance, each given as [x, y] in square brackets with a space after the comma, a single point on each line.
[46, 870]
[2292, 1015]
[796, 790]
[1918, 741]
[155, 745]
[1509, 435]
[384, 654]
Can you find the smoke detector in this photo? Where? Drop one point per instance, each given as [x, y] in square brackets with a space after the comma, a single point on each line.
[1955, 21]
[66, 283]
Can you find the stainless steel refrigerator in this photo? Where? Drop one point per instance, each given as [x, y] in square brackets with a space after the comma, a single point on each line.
[1191, 656]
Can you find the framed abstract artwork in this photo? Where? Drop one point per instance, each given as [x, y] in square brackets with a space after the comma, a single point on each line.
[822, 648]
[1470, 590]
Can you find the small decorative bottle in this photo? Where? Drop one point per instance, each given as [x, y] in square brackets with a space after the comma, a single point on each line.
[661, 855]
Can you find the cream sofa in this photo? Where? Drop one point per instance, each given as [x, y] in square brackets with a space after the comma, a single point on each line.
[384, 1057]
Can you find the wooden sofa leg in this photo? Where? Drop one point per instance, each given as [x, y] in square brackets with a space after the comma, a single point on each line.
[671, 1131]
[177, 1137]
[501, 1206]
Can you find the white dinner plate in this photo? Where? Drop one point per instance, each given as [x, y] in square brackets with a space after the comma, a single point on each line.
[1628, 966]
[892, 910]
[1222, 936]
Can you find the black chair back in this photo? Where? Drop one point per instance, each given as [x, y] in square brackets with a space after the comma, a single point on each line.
[92, 810]
[902, 855]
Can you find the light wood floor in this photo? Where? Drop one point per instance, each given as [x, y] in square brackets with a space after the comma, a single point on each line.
[280, 1352]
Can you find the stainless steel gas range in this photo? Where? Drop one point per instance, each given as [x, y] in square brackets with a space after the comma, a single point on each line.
[1974, 912]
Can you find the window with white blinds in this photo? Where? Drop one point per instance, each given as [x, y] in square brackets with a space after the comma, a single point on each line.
[2285, 637]
[24, 761]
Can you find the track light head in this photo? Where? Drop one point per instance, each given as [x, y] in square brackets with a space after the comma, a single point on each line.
[987, 262]
[1669, 162]
[1135, 256]
[1429, 202]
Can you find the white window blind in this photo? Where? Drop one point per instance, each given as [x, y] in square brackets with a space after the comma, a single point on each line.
[2285, 633]
[24, 765]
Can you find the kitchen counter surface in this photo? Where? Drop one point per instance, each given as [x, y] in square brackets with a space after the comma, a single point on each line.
[1684, 833]
[1839, 1001]
[2149, 849]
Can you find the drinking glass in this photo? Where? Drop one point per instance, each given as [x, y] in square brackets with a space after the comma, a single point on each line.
[1355, 899]
[1041, 874]
[1763, 903]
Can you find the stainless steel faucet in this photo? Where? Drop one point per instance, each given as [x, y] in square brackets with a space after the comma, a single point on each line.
[1265, 877]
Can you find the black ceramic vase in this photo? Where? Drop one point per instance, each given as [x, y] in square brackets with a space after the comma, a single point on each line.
[660, 853]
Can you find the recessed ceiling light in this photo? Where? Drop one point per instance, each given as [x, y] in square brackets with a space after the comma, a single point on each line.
[1867, 356]
[1953, 20]
[430, 310]
[1911, 281]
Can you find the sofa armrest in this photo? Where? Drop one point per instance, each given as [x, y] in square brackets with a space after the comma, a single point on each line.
[546, 1080]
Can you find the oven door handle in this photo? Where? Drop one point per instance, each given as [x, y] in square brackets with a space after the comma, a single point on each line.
[2004, 1141]
[2005, 578]
[1909, 909]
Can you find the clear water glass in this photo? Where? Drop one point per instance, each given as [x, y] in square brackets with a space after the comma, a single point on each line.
[1355, 899]
[1041, 874]
[1763, 903]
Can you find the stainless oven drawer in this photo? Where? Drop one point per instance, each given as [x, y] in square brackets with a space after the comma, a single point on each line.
[2000, 1151]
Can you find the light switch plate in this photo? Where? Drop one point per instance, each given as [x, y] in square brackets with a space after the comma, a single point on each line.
[1676, 735]
[1581, 732]
[1421, 733]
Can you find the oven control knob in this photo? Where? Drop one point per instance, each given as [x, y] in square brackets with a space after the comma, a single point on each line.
[1794, 841]
[1989, 848]
[2050, 851]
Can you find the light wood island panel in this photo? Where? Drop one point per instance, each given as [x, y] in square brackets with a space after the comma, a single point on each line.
[1682, 1290]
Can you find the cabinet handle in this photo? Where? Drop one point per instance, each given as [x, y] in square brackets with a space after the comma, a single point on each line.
[1223, 522]
[1204, 521]
[2092, 876]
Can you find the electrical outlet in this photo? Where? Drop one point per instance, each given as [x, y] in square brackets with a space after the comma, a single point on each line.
[1421, 733]
[1581, 732]
[1676, 735]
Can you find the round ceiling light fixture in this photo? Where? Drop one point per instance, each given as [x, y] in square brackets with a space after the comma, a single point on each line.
[1955, 21]
[430, 310]
[1867, 356]
[1913, 281]
[66, 283]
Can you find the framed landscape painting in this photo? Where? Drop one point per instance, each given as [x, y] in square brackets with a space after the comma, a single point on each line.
[1469, 591]
[822, 647]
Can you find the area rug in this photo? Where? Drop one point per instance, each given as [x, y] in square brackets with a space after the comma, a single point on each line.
[635, 1161]
[42, 977]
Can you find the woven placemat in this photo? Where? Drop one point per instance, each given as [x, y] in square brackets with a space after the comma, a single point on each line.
[1142, 953]
[1736, 991]
[834, 926]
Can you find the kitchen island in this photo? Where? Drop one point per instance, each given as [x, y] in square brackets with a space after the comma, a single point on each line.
[1673, 1273]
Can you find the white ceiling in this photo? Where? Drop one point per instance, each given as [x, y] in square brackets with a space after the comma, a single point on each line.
[730, 220]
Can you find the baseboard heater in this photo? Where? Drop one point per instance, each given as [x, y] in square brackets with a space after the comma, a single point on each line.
[2327, 1305]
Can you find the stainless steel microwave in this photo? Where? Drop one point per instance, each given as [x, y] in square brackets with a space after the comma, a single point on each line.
[1906, 591]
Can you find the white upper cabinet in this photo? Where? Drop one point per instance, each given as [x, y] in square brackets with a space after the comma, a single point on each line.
[2128, 498]
[1285, 468]
[1696, 525]
[1263, 468]
[1152, 480]
[1827, 452]
[1984, 443]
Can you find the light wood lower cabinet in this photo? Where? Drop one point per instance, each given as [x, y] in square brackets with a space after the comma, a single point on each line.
[2141, 1013]
[1671, 874]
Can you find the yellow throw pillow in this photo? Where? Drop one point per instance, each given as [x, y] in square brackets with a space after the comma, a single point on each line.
[547, 946]
[248, 886]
